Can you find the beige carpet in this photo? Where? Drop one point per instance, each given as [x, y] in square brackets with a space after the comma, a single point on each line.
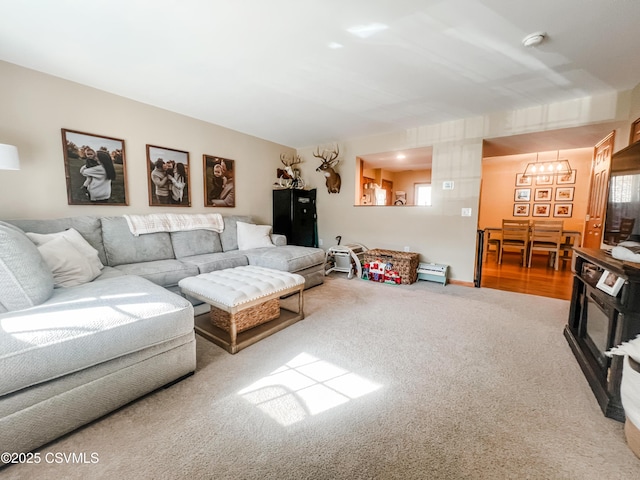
[378, 382]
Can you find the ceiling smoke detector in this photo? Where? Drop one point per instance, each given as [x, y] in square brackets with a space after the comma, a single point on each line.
[534, 39]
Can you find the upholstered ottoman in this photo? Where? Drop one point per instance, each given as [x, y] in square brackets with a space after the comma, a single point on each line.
[245, 306]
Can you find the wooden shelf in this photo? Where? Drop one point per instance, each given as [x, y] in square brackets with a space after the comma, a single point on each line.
[206, 329]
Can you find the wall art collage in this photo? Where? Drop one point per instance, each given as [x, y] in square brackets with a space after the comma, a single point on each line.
[95, 171]
[544, 195]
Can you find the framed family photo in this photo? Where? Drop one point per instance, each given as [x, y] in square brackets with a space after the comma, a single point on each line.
[543, 194]
[523, 180]
[522, 195]
[94, 168]
[564, 194]
[544, 180]
[541, 210]
[563, 210]
[567, 178]
[521, 210]
[168, 177]
[610, 283]
[219, 184]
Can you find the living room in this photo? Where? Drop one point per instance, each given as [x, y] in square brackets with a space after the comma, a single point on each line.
[37, 106]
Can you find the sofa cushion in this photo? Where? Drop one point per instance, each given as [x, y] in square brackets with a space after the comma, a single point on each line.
[289, 258]
[86, 325]
[229, 236]
[161, 272]
[68, 265]
[25, 278]
[253, 236]
[78, 242]
[195, 242]
[217, 261]
[122, 247]
[89, 227]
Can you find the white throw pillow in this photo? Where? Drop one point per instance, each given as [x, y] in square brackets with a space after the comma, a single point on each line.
[253, 236]
[68, 265]
[77, 240]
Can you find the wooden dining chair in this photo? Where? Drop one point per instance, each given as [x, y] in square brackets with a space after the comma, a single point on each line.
[546, 236]
[515, 236]
[494, 239]
[566, 249]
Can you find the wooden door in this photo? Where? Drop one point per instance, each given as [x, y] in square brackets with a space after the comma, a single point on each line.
[597, 206]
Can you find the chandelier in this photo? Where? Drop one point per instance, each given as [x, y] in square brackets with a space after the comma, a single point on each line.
[556, 167]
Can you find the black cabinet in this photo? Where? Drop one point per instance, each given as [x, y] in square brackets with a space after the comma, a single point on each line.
[294, 215]
[599, 321]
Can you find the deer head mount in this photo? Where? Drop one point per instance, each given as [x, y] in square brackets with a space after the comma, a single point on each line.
[288, 176]
[329, 160]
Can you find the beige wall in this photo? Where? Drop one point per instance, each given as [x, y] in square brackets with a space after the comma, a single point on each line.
[498, 187]
[36, 106]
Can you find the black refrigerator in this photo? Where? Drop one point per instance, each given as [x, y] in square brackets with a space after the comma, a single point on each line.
[294, 215]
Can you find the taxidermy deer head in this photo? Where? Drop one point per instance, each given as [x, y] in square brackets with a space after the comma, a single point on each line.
[288, 173]
[329, 160]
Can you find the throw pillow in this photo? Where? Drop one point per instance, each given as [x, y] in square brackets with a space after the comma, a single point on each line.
[68, 265]
[253, 236]
[77, 240]
[25, 279]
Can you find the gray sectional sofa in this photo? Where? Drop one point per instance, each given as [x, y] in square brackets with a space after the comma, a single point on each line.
[70, 355]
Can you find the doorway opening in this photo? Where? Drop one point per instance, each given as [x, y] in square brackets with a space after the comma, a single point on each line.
[505, 195]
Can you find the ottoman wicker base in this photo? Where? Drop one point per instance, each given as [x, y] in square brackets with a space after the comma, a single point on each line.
[247, 318]
[245, 304]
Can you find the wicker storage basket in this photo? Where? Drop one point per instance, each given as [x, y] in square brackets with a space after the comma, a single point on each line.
[247, 318]
[405, 263]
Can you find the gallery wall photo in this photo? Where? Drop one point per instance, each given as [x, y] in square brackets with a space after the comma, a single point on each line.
[95, 169]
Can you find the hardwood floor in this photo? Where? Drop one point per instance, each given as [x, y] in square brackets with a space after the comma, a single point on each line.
[540, 279]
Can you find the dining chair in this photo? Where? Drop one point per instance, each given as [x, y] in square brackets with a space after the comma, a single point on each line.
[515, 235]
[566, 249]
[494, 238]
[546, 236]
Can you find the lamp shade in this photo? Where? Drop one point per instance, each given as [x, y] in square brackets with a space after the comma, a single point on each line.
[9, 159]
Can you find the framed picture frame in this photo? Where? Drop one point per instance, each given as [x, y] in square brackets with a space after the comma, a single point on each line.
[521, 209]
[563, 210]
[567, 178]
[168, 177]
[522, 180]
[219, 182]
[522, 195]
[564, 194]
[95, 169]
[610, 283]
[541, 210]
[543, 194]
[544, 180]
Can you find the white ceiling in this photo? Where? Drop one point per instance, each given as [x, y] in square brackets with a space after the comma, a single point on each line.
[265, 67]
[400, 160]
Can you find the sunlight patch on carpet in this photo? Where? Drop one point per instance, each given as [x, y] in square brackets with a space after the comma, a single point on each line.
[303, 387]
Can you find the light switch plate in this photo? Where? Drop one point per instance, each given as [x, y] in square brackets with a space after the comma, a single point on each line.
[466, 212]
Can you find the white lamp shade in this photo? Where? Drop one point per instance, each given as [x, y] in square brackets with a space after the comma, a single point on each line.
[9, 159]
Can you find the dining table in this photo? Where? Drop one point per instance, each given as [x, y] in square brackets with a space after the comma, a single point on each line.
[573, 238]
